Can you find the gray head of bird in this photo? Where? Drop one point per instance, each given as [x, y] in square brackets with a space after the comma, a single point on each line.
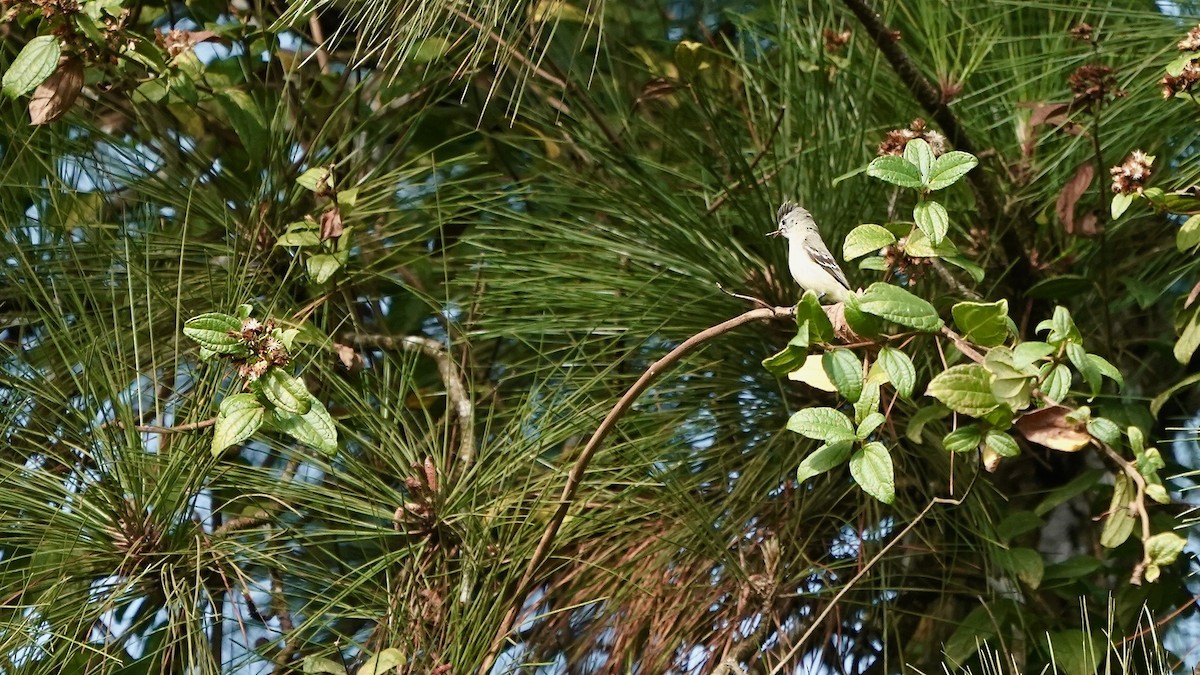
[794, 221]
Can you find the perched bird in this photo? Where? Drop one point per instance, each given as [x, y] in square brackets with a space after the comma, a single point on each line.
[809, 260]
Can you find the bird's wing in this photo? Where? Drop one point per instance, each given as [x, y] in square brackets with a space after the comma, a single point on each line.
[820, 255]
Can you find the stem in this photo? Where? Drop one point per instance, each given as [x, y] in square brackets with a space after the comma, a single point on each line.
[575, 477]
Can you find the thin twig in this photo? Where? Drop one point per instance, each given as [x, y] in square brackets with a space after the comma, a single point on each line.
[963, 346]
[829, 607]
[748, 298]
[948, 277]
[452, 379]
[1139, 506]
[152, 429]
[575, 477]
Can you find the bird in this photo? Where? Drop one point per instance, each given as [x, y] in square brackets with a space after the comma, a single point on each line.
[809, 260]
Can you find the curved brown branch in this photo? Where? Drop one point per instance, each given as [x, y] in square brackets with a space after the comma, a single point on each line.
[1139, 506]
[452, 379]
[575, 477]
[153, 429]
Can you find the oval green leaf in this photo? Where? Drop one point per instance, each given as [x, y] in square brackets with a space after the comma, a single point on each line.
[216, 332]
[823, 459]
[895, 170]
[845, 371]
[239, 417]
[37, 61]
[284, 391]
[950, 167]
[965, 389]
[864, 239]
[871, 468]
[900, 370]
[822, 424]
[899, 306]
[314, 428]
[932, 219]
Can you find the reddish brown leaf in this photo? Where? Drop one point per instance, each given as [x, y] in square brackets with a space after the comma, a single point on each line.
[331, 224]
[54, 97]
[1049, 427]
[1054, 114]
[1192, 296]
[1070, 194]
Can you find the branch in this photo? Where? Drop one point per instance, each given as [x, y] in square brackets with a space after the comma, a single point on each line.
[452, 379]
[1139, 506]
[963, 346]
[575, 477]
[937, 107]
[152, 429]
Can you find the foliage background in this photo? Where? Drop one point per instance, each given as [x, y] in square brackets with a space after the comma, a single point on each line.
[551, 192]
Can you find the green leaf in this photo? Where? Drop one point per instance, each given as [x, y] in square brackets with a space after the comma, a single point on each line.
[36, 61]
[239, 417]
[869, 424]
[219, 333]
[1085, 366]
[1107, 369]
[845, 371]
[1025, 564]
[1159, 401]
[1028, 353]
[984, 323]
[899, 369]
[247, 120]
[965, 389]
[950, 167]
[1077, 486]
[963, 439]
[932, 219]
[1016, 524]
[1120, 203]
[861, 323]
[1105, 430]
[918, 152]
[973, 270]
[822, 424]
[1189, 337]
[791, 358]
[823, 459]
[973, 632]
[284, 391]
[868, 401]
[382, 663]
[864, 239]
[1001, 443]
[316, 179]
[1061, 328]
[1010, 385]
[1076, 568]
[321, 267]
[874, 263]
[871, 468]
[1189, 234]
[314, 428]
[300, 233]
[899, 306]
[1057, 383]
[317, 664]
[918, 245]
[1162, 549]
[810, 314]
[1062, 287]
[1120, 522]
[1077, 652]
[895, 170]
[923, 416]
